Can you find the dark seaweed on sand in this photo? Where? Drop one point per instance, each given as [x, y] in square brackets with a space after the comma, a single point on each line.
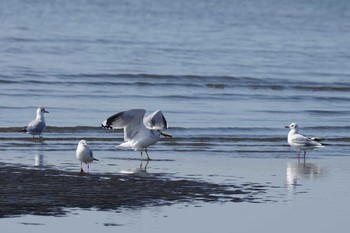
[24, 190]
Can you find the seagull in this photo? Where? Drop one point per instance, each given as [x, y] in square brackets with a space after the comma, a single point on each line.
[37, 126]
[84, 154]
[140, 132]
[300, 142]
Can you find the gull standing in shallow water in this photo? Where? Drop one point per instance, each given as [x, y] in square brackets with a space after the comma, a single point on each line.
[84, 154]
[37, 126]
[140, 132]
[300, 142]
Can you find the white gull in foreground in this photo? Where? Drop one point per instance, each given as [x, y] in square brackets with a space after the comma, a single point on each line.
[84, 154]
[37, 126]
[300, 142]
[140, 132]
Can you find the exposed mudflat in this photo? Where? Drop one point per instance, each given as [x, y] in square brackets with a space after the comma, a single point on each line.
[47, 191]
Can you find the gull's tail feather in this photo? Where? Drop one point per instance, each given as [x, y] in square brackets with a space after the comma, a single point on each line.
[23, 130]
[95, 159]
[317, 139]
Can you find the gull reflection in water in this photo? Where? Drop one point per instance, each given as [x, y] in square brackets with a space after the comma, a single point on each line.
[39, 155]
[141, 169]
[297, 171]
[39, 160]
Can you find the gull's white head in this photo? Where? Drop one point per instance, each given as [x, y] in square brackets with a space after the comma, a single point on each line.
[292, 126]
[41, 110]
[83, 143]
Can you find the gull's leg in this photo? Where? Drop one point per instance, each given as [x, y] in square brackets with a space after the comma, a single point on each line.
[81, 168]
[299, 154]
[148, 159]
[304, 154]
[141, 155]
[88, 168]
[145, 169]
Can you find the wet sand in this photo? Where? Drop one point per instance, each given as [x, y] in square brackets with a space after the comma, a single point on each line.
[47, 191]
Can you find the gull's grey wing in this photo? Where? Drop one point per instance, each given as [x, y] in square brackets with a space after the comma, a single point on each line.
[301, 140]
[92, 155]
[122, 119]
[36, 127]
[156, 121]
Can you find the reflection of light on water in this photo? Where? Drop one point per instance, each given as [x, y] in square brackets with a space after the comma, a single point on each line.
[141, 169]
[39, 160]
[296, 171]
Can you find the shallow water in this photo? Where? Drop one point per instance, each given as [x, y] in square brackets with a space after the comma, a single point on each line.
[228, 76]
[306, 196]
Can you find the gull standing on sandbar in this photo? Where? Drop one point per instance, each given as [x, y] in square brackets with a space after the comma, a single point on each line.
[300, 142]
[84, 154]
[140, 132]
[37, 126]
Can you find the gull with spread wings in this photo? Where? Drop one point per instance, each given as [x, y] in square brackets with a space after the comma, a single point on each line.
[140, 132]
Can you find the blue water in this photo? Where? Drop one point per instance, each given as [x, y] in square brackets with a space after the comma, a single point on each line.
[222, 72]
[263, 39]
[228, 75]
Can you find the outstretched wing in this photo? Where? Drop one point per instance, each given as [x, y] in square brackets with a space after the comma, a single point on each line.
[131, 121]
[156, 121]
[122, 119]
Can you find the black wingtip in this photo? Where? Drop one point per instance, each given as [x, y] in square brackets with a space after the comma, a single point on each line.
[106, 126]
[165, 122]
